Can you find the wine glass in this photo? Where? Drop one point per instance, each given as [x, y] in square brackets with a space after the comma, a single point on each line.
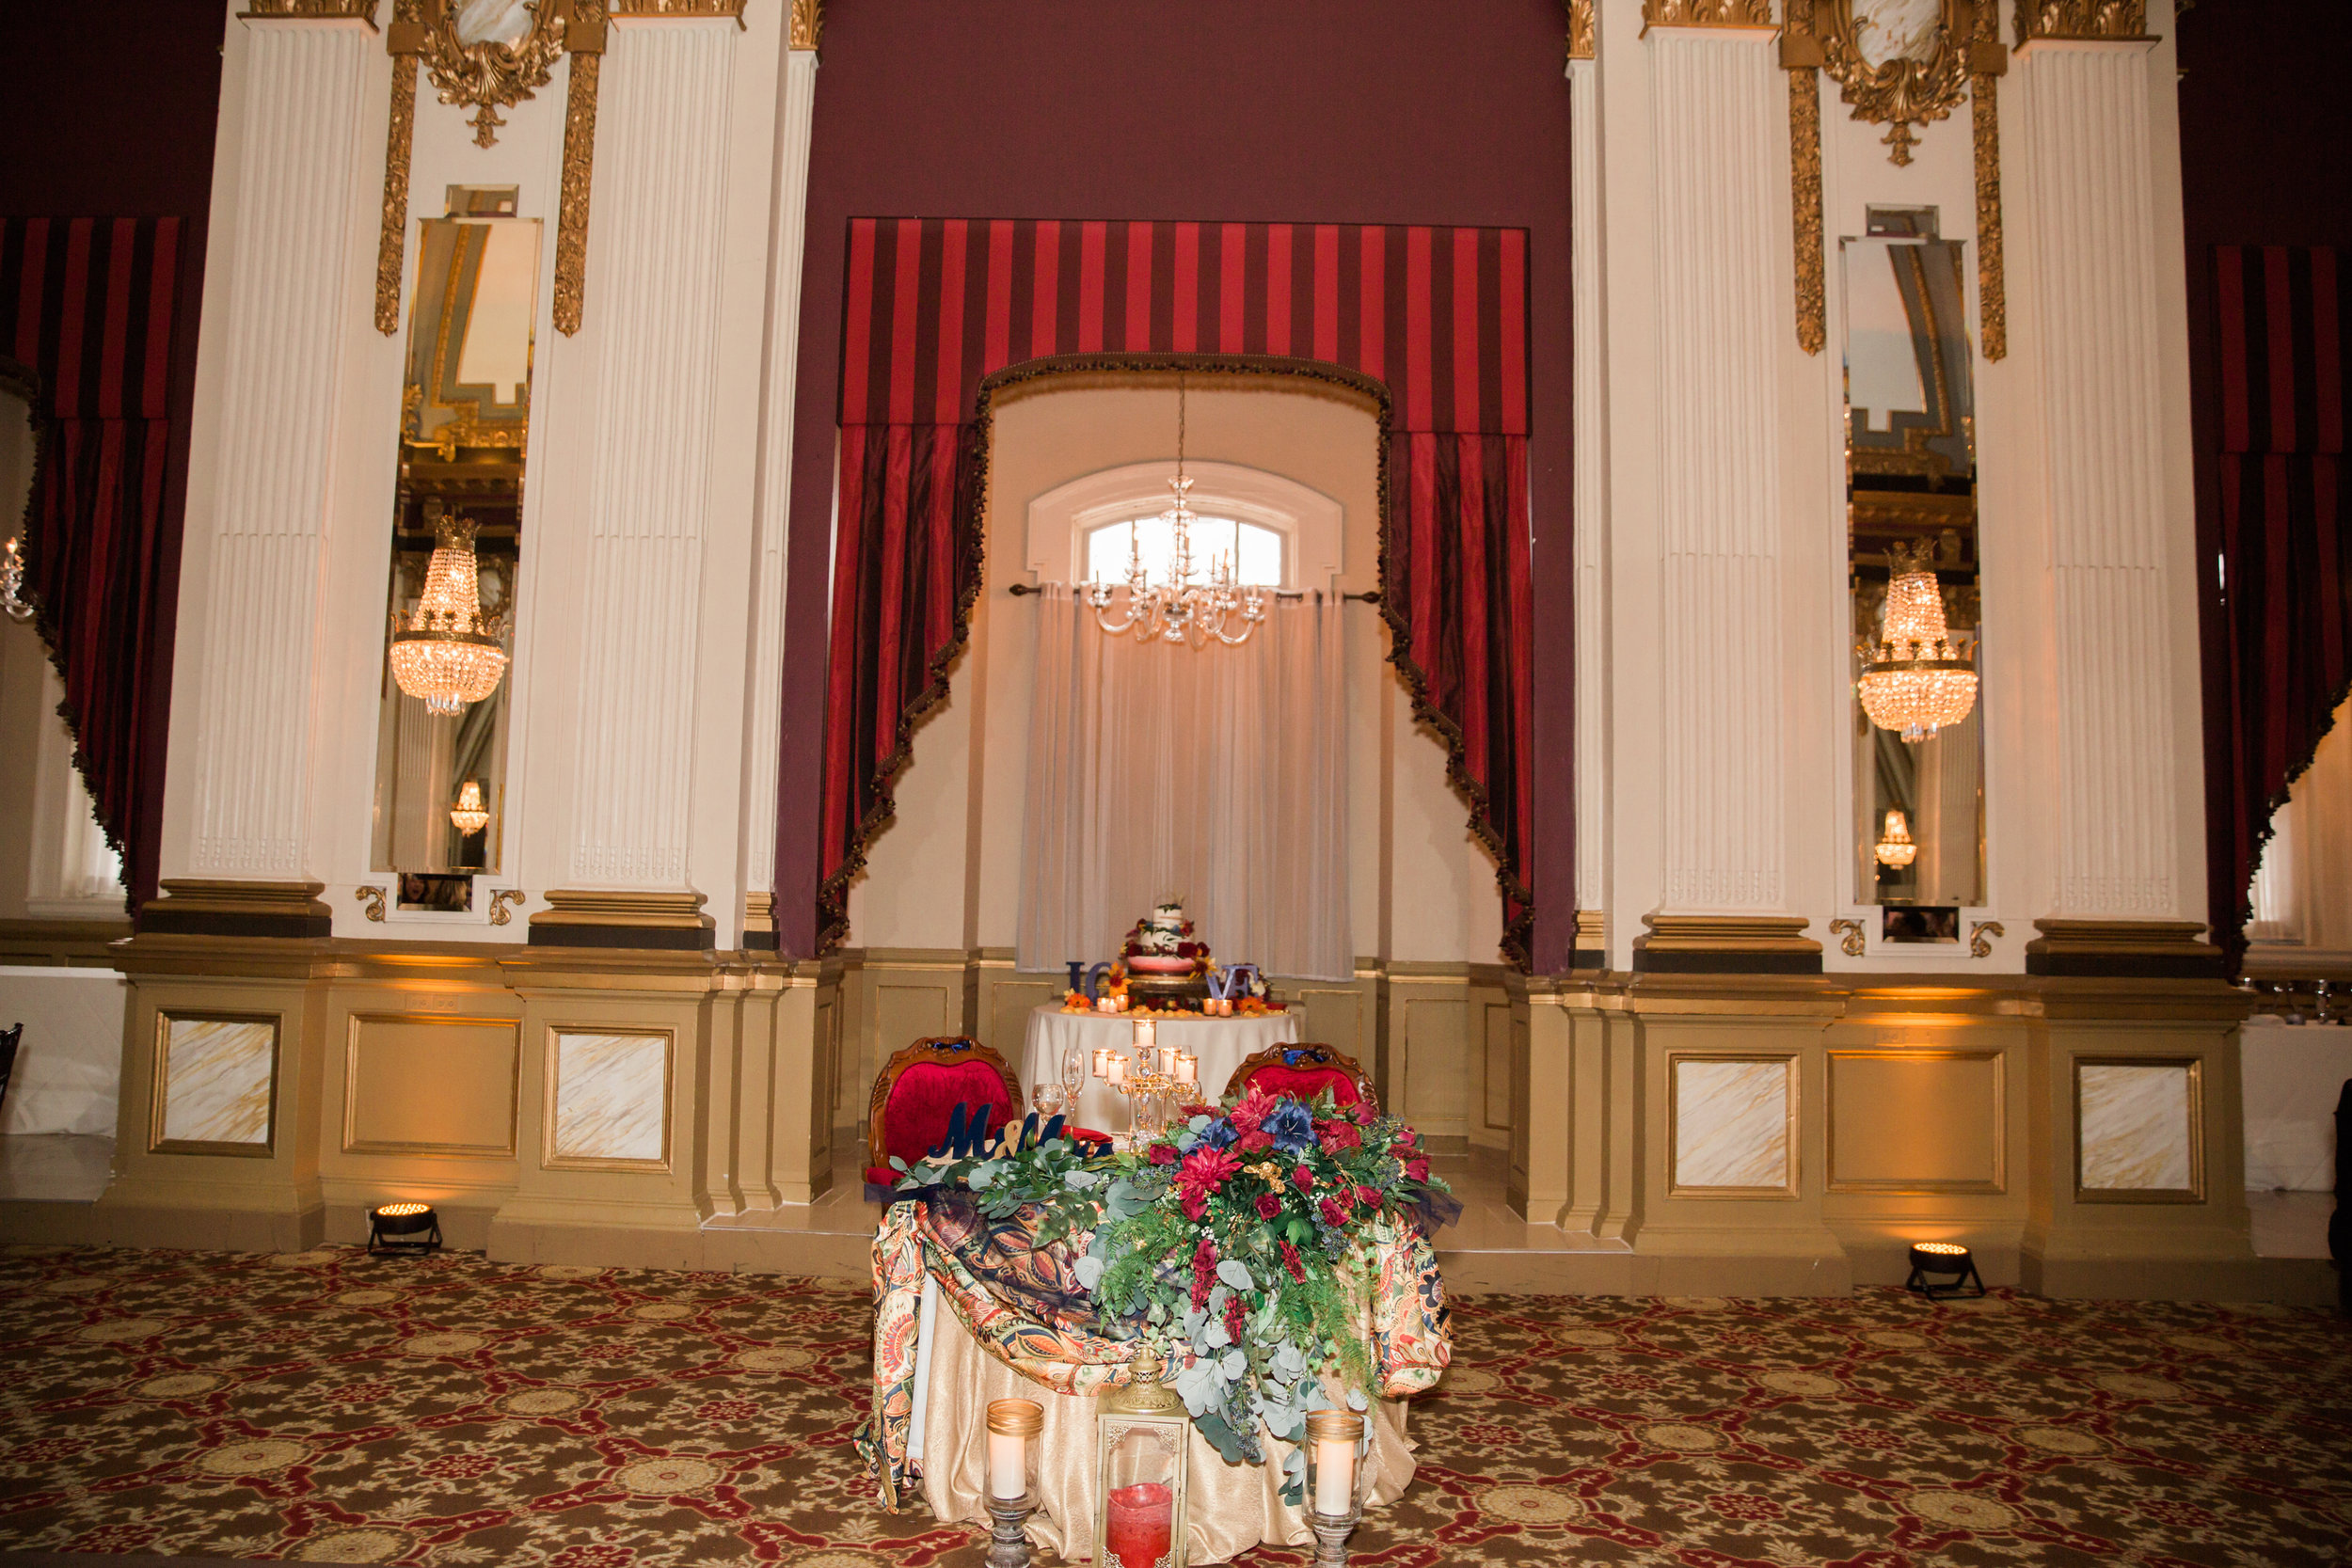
[1074, 1073]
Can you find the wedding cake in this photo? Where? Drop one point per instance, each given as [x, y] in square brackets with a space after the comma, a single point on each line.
[1163, 960]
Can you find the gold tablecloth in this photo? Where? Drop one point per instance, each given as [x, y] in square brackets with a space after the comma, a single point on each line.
[1230, 1508]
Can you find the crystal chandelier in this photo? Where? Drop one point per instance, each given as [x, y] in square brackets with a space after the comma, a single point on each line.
[1915, 679]
[1184, 607]
[12, 583]
[448, 655]
[468, 814]
[1895, 850]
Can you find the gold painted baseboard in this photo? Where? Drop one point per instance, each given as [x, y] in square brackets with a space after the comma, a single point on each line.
[2152, 949]
[201, 907]
[604, 917]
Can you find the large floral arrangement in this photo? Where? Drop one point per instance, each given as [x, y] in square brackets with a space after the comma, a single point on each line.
[1233, 1246]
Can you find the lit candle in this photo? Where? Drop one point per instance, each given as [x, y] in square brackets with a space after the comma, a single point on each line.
[1334, 1433]
[1011, 1423]
[1167, 1061]
[1117, 1073]
[1147, 1031]
[1188, 1068]
[1101, 1061]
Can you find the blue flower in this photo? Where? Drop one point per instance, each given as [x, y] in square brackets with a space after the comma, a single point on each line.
[1218, 1133]
[1292, 1127]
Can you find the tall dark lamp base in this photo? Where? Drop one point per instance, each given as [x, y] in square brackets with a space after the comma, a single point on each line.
[1008, 1541]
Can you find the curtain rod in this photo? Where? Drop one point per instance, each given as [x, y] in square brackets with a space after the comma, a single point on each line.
[1021, 589]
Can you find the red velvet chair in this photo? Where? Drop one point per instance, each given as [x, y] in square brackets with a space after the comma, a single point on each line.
[1303, 1072]
[918, 1091]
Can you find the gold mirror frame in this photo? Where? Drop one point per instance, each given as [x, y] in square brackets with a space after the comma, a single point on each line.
[1902, 92]
[490, 76]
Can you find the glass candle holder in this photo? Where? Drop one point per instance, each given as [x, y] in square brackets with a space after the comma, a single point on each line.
[1013, 1426]
[1332, 1437]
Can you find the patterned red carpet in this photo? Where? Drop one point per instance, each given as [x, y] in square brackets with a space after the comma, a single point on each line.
[326, 1407]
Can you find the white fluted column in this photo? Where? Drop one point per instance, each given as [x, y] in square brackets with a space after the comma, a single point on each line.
[1718, 124]
[655, 265]
[2090, 215]
[273, 337]
[764, 684]
[1588, 327]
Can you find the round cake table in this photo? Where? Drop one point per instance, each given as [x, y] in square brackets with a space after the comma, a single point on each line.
[1220, 1042]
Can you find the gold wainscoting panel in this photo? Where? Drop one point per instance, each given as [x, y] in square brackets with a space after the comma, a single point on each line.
[1791, 1163]
[160, 1139]
[2194, 1067]
[432, 1083]
[1905, 1121]
[553, 1155]
[1495, 1107]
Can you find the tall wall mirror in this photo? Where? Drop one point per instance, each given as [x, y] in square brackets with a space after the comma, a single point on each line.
[1918, 839]
[440, 782]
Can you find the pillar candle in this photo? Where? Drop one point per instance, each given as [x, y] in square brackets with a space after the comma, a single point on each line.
[1335, 1475]
[1117, 1073]
[1147, 1034]
[1008, 1468]
[1188, 1068]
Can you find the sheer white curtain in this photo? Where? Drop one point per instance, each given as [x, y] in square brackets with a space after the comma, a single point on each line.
[1216, 776]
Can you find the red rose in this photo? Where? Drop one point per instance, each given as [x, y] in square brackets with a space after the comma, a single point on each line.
[1405, 1137]
[1163, 1154]
[1368, 1197]
[1303, 1178]
[1333, 1215]
[1337, 1136]
[1251, 1143]
[1268, 1205]
[1365, 1115]
[1417, 1168]
[1204, 1172]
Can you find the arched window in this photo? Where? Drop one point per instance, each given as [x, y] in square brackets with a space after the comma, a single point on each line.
[1111, 547]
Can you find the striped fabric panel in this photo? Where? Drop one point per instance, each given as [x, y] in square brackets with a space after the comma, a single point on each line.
[87, 314]
[2281, 598]
[934, 305]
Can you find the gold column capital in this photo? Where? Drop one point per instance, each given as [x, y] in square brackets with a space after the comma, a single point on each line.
[808, 22]
[309, 10]
[2097, 20]
[1706, 13]
[691, 10]
[1580, 28]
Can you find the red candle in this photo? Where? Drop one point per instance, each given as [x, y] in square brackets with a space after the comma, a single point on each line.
[1140, 1525]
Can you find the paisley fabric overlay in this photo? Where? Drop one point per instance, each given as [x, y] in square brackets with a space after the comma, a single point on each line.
[454, 1411]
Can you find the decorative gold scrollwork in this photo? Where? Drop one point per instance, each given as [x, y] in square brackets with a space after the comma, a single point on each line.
[1706, 13]
[374, 898]
[504, 902]
[1898, 82]
[2081, 19]
[1804, 195]
[391, 241]
[1980, 935]
[490, 55]
[580, 153]
[1987, 61]
[1852, 945]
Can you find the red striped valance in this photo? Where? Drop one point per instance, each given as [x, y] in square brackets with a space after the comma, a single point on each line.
[86, 323]
[2278, 597]
[934, 305]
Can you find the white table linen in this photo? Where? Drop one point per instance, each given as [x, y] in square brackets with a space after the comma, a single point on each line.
[2293, 1074]
[1221, 1043]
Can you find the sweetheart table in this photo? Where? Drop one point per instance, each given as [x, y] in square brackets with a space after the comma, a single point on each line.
[1220, 1043]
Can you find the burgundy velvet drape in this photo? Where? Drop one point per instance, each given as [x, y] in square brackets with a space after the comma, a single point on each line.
[1435, 315]
[2278, 616]
[86, 322]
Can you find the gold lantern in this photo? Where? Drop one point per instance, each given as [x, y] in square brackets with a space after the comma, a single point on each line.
[1142, 1439]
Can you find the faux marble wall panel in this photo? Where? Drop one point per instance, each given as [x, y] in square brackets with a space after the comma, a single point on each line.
[612, 1096]
[216, 1079]
[1731, 1124]
[2138, 1126]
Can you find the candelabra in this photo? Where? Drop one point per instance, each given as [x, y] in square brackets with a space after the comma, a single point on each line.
[1153, 1083]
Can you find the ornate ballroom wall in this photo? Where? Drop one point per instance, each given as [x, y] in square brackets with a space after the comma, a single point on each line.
[1702, 1081]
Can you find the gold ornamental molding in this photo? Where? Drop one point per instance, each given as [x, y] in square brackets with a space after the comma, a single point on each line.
[487, 74]
[310, 11]
[1925, 79]
[2099, 20]
[1804, 193]
[1706, 13]
[399, 141]
[1580, 28]
[1987, 61]
[728, 9]
[586, 41]
[807, 23]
